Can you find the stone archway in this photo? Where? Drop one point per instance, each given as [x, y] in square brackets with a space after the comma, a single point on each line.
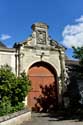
[43, 94]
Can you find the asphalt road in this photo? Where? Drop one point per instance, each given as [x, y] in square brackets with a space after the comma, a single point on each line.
[47, 119]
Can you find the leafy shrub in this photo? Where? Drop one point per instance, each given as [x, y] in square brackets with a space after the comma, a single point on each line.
[13, 90]
[5, 106]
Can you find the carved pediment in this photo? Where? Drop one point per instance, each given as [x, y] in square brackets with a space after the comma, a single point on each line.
[40, 38]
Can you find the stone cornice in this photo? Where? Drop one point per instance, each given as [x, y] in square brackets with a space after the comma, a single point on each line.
[7, 49]
[40, 25]
[50, 48]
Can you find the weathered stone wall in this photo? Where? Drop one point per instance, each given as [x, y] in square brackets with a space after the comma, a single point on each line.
[7, 56]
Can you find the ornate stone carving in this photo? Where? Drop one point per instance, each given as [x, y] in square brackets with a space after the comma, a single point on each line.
[41, 37]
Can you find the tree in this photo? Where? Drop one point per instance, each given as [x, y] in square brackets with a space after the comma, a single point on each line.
[78, 54]
[13, 90]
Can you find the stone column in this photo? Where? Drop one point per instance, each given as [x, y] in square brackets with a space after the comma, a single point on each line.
[61, 80]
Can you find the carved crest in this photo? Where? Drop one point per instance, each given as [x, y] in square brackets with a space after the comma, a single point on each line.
[41, 37]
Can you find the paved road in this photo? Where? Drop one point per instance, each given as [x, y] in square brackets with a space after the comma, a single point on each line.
[46, 119]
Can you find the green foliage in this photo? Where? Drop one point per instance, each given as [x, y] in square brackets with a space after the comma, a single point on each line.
[13, 90]
[78, 54]
[5, 106]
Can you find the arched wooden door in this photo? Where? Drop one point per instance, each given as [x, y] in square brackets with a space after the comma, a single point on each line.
[43, 94]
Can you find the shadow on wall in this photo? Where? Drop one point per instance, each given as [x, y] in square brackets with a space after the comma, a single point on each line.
[47, 101]
[73, 92]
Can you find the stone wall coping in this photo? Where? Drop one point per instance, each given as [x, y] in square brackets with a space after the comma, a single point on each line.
[7, 49]
[13, 115]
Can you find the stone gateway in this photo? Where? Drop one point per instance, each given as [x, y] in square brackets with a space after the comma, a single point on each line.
[43, 60]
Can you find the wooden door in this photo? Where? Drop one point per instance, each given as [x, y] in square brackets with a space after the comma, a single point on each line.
[43, 87]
